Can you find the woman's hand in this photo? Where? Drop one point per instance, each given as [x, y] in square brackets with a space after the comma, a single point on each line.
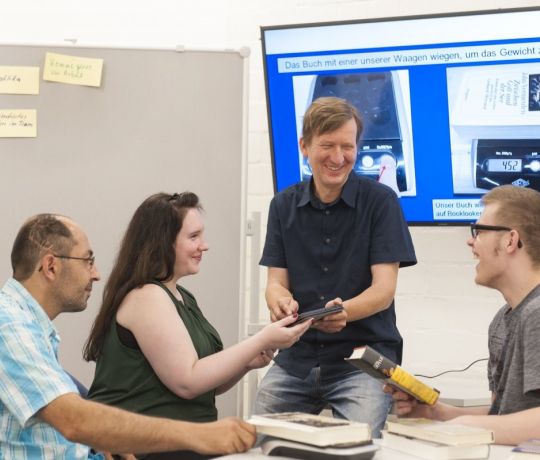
[262, 360]
[280, 334]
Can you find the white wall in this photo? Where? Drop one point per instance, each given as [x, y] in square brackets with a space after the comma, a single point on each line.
[442, 315]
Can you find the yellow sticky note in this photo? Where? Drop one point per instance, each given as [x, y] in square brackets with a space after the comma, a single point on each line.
[72, 69]
[18, 123]
[19, 80]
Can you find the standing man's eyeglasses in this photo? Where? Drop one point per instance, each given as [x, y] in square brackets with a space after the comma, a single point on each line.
[477, 228]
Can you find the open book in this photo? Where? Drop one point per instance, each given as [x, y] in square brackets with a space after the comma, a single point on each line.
[448, 433]
[316, 430]
[380, 367]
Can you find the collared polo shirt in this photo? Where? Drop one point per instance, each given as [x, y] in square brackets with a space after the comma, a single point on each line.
[328, 251]
[30, 378]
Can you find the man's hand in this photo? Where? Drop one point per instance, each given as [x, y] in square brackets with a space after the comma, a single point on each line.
[332, 323]
[227, 436]
[285, 306]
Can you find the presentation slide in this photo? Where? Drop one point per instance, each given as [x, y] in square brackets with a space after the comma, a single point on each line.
[450, 104]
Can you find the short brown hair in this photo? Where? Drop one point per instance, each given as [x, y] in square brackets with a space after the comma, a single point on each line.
[38, 235]
[519, 208]
[326, 114]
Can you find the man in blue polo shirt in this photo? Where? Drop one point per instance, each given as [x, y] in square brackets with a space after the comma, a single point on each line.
[338, 238]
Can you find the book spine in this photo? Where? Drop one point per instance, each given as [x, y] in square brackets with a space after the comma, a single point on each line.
[413, 386]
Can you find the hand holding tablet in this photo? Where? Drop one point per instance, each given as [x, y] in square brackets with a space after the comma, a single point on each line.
[317, 314]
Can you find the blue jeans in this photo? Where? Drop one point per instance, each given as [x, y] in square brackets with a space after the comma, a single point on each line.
[352, 396]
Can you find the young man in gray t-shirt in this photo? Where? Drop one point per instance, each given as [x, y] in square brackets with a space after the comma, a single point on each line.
[506, 243]
[514, 361]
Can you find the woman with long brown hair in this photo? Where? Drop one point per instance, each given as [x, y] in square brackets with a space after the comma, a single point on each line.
[156, 353]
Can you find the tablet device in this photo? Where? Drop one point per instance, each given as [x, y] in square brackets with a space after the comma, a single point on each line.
[317, 314]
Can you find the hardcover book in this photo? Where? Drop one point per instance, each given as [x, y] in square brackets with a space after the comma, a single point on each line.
[433, 450]
[504, 95]
[380, 367]
[448, 433]
[317, 430]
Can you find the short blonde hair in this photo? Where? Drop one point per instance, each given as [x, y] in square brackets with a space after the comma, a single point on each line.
[519, 208]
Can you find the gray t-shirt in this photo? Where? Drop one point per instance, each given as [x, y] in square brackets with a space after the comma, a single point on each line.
[514, 356]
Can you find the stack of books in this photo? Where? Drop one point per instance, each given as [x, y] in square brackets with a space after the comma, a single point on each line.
[528, 450]
[314, 437]
[435, 440]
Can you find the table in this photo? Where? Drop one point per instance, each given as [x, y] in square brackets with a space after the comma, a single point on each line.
[497, 452]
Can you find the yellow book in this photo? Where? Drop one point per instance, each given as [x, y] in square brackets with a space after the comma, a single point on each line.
[382, 368]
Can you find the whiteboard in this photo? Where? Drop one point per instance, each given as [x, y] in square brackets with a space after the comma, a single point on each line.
[161, 121]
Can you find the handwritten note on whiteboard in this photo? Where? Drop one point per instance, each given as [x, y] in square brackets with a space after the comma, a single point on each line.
[18, 123]
[19, 80]
[72, 69]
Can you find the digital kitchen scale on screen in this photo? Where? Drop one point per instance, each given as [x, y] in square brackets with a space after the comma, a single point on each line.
[506, 161]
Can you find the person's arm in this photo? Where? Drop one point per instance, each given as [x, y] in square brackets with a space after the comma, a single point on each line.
[279, 299]
[374, 299]
[110, 429]
[378, 296]
[509, 428]
[263, 359]
[390, 246]
[406, 406]
[162, 336]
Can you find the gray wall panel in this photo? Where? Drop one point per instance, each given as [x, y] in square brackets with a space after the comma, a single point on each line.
[161, 121]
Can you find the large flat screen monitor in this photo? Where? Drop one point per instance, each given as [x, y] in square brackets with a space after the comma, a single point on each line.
[450, 103]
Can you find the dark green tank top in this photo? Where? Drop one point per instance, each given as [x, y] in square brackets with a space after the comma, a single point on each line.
[125, 379]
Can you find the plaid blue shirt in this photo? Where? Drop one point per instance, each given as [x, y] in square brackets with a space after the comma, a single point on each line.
[30, 378]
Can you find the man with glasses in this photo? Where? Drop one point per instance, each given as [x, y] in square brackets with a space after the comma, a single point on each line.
[506, 243]
[41, 413]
